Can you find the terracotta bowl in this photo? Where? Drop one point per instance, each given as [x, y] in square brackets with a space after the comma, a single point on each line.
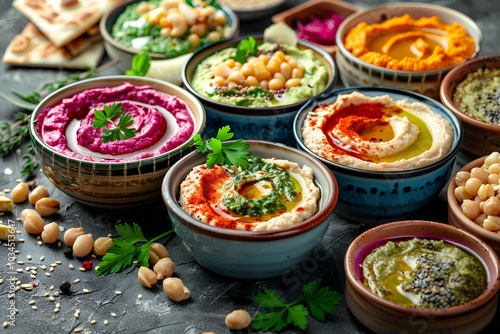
[168, 69]
[112, 185]
[320, 8]
[457, 218]
[251, 254]
[480, 137]
[248, 122]
[383, 316]
[356, 72]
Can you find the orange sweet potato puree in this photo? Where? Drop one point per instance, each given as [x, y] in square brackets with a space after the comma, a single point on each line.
[409, 44]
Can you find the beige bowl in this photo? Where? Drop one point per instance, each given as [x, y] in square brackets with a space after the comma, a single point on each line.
[457, 218]
[480, 138]
[355, 72]
[383, 316]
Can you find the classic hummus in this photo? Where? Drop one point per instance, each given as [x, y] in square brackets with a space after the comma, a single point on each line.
[270, 194]
[162, 122]
[279, 75]
[377, 133]
[424, 273]
[409, 44]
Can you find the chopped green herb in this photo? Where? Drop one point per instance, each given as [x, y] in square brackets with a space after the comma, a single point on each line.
[121, 130]
[246, 48]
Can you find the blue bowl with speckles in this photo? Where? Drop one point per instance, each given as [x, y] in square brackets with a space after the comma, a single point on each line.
[374, 197]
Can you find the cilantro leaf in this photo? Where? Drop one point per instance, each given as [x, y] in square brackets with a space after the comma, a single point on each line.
[320, 301]
[269, 299]
[120, 130]
[297, 315]
[132, 234]
[269, 321]
[246, 48]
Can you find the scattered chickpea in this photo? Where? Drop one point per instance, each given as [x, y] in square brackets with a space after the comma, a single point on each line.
[146, 277]
[238, 319]
[156, 252]
[20, 192]
[33, 223]
[47, 206]
[25, 212]
[71, 234]
[38, 193]
[164, 268]
[83, 245]
[175, 289]
[101, 245]
[50, 233]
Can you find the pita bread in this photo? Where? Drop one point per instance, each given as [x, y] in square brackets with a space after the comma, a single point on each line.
[77, 46]
[31, 48]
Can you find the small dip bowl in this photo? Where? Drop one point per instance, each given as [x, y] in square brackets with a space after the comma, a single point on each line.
[383, 316]
[250, 122]
[254, 9]
[251, 254]
[457, 217]
[162, 67]
[112, 185]
[356, 72]
[480, 138]
[318, 8]
[372, 197]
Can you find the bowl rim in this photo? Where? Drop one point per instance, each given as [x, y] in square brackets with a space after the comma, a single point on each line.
[453, 205]
[455, 123]
[263, 8]
[490, 292]
[419, 5]
[452, 79]
[120, 79]
[198, 57]
[106, 35]
[194, 158]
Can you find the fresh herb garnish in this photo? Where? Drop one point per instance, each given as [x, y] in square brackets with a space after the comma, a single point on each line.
[140, 65]
[246, 48]
[120, 129]
[250, 92]
[130, 246]
[28, 167]
[232, 154]
[314, 302]
[212, 3]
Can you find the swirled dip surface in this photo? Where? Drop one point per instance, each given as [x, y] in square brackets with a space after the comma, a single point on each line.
[162, 123]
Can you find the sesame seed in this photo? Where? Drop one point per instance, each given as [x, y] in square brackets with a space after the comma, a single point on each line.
[106, 322]
[113, 314]
[86, 290]
[56, 310]
[93, 322]
[42, 258]
[31, 302]
[28, 257]
[20, 240]
[139, 296]
[71, 266]
[39, 243]
[77, 329]
[34, 307]
[5, 324]
[82, 269]
[47, 274]
[118, 292]
[51, 298]
[76, 280]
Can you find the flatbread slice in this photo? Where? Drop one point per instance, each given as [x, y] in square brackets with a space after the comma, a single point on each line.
[77, 46]
[31, 48]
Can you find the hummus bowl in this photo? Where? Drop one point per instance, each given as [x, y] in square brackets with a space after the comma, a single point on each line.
[247, 254]
[383, 316]
[481, 135]
[255, 121]
[397, 186]
[163, 66]
[421, 77]
[117, 174]
[462, 213]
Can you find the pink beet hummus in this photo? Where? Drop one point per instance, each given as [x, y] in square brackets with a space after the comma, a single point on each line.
[162, 122]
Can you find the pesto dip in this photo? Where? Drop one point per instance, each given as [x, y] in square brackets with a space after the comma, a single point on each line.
[424, 273]
[478, 95]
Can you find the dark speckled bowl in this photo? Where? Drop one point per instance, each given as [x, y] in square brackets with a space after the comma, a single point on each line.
[383, 316]
[375, 197]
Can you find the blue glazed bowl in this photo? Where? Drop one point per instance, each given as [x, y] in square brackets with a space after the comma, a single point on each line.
[263, 123]
[251, 254]
[374, 197]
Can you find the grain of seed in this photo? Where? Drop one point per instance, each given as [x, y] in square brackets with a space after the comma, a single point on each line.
[118, 292]
[77, 329]
[20, 262]
[39, 243]
[139, 296]
[86, 290]
[76, 280]
[1, 280]
[33, 276]
[27, 286]
[82, 269]
[5, 324]
[51, 298]
[93, 322]
[42, 258]
[43, 267]
[113, 314]
[58, 262]
[51, 287]
[47, 274]
[46, 294]
[28, 257]
[51, 269]
[58, 305]
[31, 302]
[76, 314]
[34, 307]
[19, 270]
[71, 266]
[56, 310]
[20, 240]
[106, 322]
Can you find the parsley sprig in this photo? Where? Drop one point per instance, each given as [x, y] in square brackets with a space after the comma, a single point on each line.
[131, 245]
[246, 48]
[120, 130]
[232, 154]
[315, 301]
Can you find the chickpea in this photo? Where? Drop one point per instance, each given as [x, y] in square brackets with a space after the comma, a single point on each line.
[25, 212]
[164, 268]
[286, 69]
[485, 191]
[275, 84]
[146, 277]
[470, 209]
[461, 194]
[247, 70]
[222, 70]
[83, 245]
[199, 29]
[20, 192]
[492, 223]
[472, 185]
[297, 73]
[480, 219]
[494, 179]
[165, 31]
[101, 245]
[491, 206]
[157, 252]
[175, 289]
[33, 223]
[461, 178]
[252, 81]
[479, 173]
[71, 234]
[294, 82]
[220, 18]
[38, 193]
[494, 168]
[214, 36]
[238, 319]
[194, 40]
[264, 84]
[50, 233]
[494, 157]
[47, 206]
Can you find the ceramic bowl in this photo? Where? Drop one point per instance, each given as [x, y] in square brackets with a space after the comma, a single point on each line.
[247, 122]
[319, 8]
[374, 197]
[251, 254]
[253, 10]
[161, 67]
[112, 185]
[457, 218]
[480, 138]
[355, 72]
[383, 316]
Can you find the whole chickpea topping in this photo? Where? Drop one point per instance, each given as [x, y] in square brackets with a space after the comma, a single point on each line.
[101, 245]
[71, 234]
[38, 193]
[175, 289]
[50, 233]
[33, 223]
[25, 212]
[20, 192]
[146, 277]
[156, 252]
[47, 206]
[83, 245]
[238, 319]
[164, 268]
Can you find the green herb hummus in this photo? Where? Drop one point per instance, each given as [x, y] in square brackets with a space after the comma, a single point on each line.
[424, 273]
